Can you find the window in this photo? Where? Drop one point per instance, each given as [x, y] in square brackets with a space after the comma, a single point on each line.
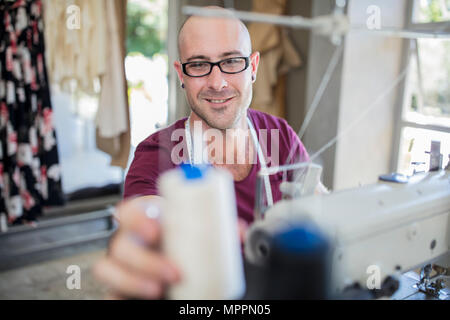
[146, 67]
[425, 116]
[428, 11]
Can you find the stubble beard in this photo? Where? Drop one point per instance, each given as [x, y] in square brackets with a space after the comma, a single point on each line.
[235, 121]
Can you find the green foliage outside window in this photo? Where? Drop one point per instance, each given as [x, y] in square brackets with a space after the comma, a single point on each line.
[146, 27]
[435, 10]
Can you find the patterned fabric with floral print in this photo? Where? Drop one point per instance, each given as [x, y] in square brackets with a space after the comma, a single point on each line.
[30, 174]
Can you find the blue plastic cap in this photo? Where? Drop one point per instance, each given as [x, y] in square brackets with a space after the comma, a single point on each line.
[193, 172]
[303, 238]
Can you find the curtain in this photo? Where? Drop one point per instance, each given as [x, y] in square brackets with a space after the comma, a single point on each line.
[30, 174]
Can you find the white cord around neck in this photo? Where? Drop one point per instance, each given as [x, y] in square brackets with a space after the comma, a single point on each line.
[191, 154]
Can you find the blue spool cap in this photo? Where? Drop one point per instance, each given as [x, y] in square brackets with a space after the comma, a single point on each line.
[300, 239]
[193, 172]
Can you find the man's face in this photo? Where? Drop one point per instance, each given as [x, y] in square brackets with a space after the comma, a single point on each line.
[219, 99]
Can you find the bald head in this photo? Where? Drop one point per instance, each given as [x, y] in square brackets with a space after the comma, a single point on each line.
[200, 32]
[220, 99]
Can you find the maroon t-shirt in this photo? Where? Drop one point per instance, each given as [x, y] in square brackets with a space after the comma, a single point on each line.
[165, 150]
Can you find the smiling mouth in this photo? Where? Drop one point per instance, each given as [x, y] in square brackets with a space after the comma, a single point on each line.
[218, 101]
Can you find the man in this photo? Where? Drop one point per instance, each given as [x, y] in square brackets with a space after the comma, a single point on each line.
[217, 69]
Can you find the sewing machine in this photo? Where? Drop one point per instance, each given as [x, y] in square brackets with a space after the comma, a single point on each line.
[377, 231]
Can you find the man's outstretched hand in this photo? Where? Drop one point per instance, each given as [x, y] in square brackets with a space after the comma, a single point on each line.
[134, 266]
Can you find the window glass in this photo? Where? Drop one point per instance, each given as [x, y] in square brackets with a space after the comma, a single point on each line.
[429, 83]
[427, 11]
[146, 67]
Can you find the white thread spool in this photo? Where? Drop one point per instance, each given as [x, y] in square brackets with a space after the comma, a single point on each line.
[200, 233]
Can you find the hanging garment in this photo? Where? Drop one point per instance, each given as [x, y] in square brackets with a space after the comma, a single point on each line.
[278, 56]
[112, 119]
[94, 51]
[75, 36]
[30, 175]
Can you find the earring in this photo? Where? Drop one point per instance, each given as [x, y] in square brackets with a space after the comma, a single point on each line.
[182, 85]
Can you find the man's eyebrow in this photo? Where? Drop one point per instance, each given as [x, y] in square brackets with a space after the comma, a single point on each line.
[199, 57]
[223, 55]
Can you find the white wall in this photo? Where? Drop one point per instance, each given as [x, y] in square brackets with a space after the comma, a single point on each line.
[371, 64]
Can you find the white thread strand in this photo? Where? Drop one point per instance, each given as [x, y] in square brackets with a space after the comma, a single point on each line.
[362, 115]
[321, 89]
[318, 96]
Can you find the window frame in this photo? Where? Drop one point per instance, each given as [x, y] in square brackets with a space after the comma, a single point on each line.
[400, 122]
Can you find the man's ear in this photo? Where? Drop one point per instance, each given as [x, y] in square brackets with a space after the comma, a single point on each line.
[179, 69]
[254, 63]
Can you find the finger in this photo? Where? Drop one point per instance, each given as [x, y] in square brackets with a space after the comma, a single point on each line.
[138, 259]
[134, 219]
[124, 283]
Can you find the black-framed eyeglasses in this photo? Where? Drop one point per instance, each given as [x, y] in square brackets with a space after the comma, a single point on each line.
[199, 69]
